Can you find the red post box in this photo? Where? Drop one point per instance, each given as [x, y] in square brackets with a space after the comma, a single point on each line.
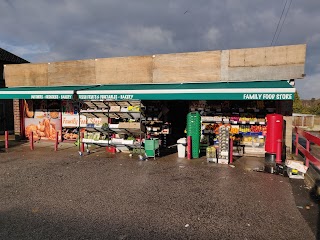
[274, 137]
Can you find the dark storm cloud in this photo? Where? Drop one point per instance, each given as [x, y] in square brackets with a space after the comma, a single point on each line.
[46, 31]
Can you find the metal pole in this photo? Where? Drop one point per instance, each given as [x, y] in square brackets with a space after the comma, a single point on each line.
[297, 141]
[6, 136]
[79, 125]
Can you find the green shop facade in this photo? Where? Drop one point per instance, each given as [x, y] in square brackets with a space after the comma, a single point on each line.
[249, 102]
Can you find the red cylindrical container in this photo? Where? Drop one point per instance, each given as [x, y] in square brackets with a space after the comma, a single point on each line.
[274, 132]
[189, 147]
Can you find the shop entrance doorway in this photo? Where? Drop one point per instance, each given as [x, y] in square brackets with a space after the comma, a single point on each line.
[177, 116]
[2, 118]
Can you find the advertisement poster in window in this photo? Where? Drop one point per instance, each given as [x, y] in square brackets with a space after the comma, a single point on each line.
[42, 118]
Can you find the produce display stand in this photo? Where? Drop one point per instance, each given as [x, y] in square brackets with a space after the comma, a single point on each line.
[246, 128]
[123, 118]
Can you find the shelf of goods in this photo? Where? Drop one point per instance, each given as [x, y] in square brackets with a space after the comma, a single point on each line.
[223, 150]
[121, 124]
[248, 133]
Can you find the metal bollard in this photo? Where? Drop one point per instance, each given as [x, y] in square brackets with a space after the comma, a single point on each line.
[189, 147]
[56, 141]
[31, 141]
[81, 142]
[6, 139]
[231, 150]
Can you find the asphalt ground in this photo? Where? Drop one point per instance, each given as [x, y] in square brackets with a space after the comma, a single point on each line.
[60, 195]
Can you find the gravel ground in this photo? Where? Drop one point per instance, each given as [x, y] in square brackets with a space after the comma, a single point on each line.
[60, 195]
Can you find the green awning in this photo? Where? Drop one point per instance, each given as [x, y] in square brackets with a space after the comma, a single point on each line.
[258, 90]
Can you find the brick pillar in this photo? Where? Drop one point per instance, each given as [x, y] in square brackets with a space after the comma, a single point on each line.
[17, 119]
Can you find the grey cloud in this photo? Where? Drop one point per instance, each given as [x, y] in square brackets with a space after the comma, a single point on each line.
[81, 29]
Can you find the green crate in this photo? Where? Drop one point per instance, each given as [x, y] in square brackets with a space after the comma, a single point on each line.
[151, 147]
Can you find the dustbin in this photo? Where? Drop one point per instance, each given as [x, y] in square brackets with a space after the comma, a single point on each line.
[181, 144]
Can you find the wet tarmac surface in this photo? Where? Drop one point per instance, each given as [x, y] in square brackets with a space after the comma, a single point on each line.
[60, 195]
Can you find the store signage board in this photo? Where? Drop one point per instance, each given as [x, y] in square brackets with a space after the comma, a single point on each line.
[190, 96]
[158, 96]
[249, 90]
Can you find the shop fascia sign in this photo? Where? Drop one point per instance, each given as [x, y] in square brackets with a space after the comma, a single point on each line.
[51, 96]
[190, 96]
[163, 96]
[268, 96]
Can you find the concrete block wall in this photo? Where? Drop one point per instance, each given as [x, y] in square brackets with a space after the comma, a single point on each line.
[250, 64]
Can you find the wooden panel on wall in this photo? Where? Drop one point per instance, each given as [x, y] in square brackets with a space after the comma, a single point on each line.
[236, 58]
[26, 74]
[296, 54]
[124, 70]
[81, 72]
[255, 57]
[276, 56]
[187, 67]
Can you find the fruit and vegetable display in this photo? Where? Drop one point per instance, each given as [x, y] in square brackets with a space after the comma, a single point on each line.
[253, 140]
[245, 128]
[234, 129]
[212, 127]
[105, 126]
[247, 119]
[258, 128]
[234, 118]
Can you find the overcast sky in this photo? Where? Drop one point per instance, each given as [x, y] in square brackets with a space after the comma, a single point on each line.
[47, 31]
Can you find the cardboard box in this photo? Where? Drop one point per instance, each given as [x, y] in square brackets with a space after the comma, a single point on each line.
[115, 109]
[213, 160]
[223, 161]
[294, 164]
[135, 125]
[124, 125]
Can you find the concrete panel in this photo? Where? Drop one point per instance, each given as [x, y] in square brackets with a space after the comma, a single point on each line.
[124, 70]
[26, 74]
[237, 57]
[81, 72]
[224, 62]
[255, 57]
[276, 56]
[285, 72]
[187, 67]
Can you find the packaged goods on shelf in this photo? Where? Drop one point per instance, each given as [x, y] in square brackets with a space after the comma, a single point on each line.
[223, 153]
[211, 154]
